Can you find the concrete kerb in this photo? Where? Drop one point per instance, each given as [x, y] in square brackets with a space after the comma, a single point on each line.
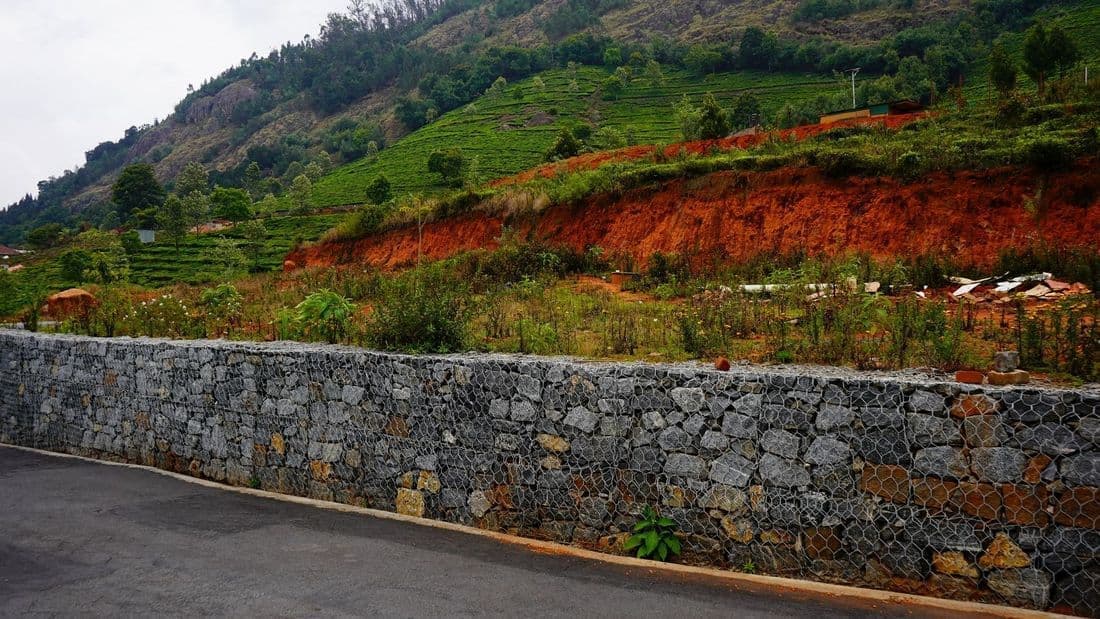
[755, 581]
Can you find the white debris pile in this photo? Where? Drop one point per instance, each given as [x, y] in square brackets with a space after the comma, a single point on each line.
[1040, 286]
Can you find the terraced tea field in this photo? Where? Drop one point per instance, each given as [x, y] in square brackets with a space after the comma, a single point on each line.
[511, 131]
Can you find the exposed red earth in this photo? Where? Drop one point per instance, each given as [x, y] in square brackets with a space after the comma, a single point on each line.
[590, 161]
[970, 216]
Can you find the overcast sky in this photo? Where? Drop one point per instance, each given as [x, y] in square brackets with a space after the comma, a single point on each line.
[74, 73]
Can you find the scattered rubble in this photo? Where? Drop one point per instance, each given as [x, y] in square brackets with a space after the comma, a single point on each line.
[1040, 286]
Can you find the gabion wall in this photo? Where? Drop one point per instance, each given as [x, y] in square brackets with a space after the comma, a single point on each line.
[988, 494]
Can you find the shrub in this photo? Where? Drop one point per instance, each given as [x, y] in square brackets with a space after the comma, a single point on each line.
[536, 338]
[422, 310]
[114, 305]
[1011, 111]
[909, 165]
[326, 315]
[565, 146]
[451, 165]
[379, 191]
[1046, 153]
[654, 537]
[364, 221]
[222, 304]
[842, 164]
[163, 316]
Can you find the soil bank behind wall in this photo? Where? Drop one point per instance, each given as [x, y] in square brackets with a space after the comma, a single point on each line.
[991, 494]
[969, 216]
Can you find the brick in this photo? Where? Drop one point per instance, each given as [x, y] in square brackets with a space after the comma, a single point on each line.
[1016, 377]
[887, 481]
[1079, 507]
[1025, 505]
[970, 377]
[932, 492]
[981, 500]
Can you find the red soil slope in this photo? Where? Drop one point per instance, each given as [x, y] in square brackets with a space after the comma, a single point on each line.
[970, 216]
[591, 161]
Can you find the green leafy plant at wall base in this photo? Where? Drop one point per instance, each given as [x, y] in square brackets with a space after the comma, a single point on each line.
[654, 537]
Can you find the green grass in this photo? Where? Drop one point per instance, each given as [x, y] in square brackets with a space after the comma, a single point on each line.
[497, 129]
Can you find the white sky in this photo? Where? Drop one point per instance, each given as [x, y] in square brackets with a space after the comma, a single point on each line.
[74, 73]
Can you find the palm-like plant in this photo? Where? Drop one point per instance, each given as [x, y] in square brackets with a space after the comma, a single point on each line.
[326, 314]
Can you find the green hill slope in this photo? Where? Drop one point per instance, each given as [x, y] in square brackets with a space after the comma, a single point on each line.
[511, 131]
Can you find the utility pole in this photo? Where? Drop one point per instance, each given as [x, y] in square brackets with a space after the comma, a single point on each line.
[853, 72]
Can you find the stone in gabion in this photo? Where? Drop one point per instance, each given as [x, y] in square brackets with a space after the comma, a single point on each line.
[826, 450]
[738, 425]
[732, 470]
[781, 443]
[684, 465]
[783, 473]
[1001, 464]
[582, 419]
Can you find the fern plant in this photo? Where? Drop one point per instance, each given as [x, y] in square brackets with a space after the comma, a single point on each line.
[654, 537]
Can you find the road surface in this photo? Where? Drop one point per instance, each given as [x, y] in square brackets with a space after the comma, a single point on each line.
[80, 537]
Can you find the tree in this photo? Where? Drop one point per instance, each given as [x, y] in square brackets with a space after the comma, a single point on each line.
[293, 170]
[1046, 51]
[44, 236]
[565, 146]
[687, 116]
[379, 191]
[324, 160]
[450, 164]
[227, 254]
[746, 110]
[253, 180]
[1002, 71]
[654, 74]
[173, 221]
[301, 193]
[136, 189]
[109, 260]
[131, 242]
[314, 171]
[758, 48]
[612, 57]
[1063, 50]
[613, 87]
[231, 203]
[75, 264]
[269, 204]
[193, 178]
[498, 86]
[254, 234]
[713, 121]
[703, 60]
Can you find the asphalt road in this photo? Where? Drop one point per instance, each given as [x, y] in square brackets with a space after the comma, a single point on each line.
[79, 537]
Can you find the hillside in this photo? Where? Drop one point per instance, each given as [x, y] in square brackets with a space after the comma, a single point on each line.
[512, 131]
[283, 107]
[970, 219]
